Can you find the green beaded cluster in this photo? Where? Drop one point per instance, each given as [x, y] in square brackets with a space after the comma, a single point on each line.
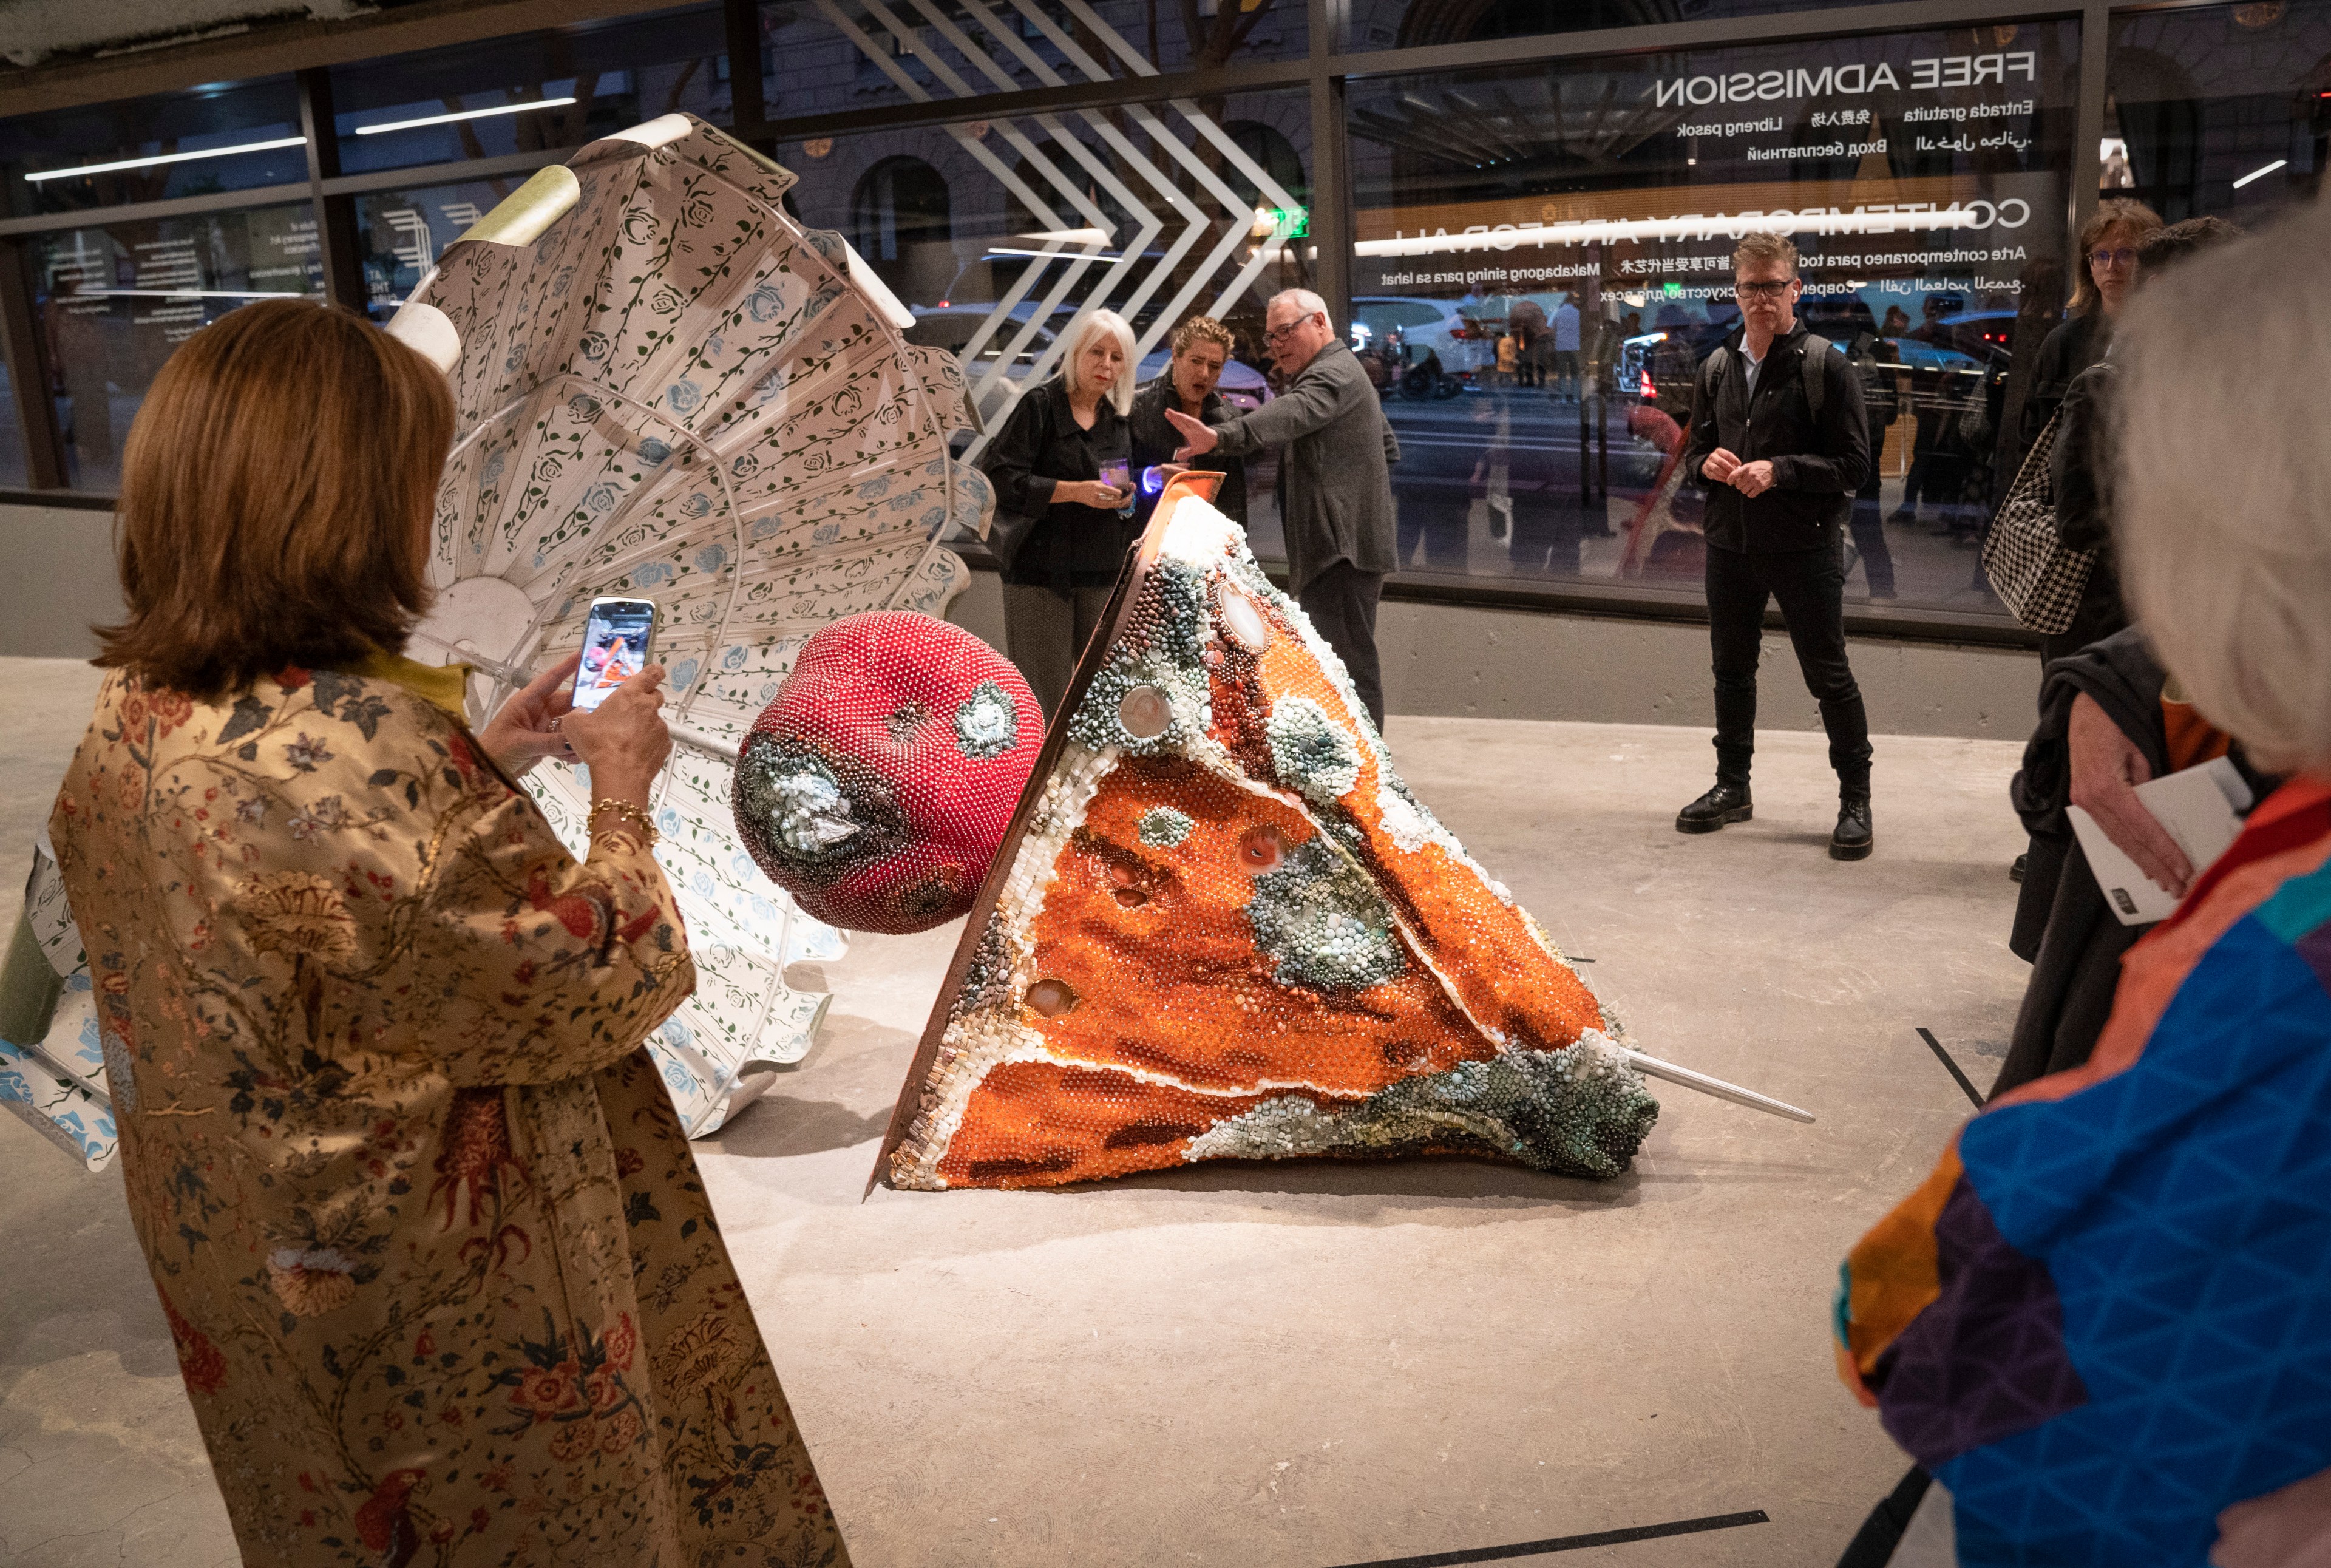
[1577, 1112]
[1312, 753]
[1163, 828]
[1323, 922]
[986, 725]
[1163, 645]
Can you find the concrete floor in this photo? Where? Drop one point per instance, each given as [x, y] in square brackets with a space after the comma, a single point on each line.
[1290, 1366]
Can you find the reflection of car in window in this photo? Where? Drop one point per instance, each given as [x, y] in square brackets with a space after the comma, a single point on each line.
[1957, 358]
[1943, 361]
[953, 327]
[1658, 367]
[1436, 327]
[971, 304]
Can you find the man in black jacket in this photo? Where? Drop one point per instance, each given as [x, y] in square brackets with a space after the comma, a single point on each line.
[1781, 436]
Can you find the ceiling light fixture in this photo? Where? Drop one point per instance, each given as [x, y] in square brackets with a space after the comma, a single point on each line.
[464, 114]
[1052, 255]
[1608, 230]
[191, 294]
[2260, 173]
[167, 158]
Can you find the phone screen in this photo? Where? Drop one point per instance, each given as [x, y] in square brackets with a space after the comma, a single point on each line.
[615, 648]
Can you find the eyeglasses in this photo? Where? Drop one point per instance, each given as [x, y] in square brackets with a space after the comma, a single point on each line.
[1278, 335]
[2118, 258]
[1762, 290]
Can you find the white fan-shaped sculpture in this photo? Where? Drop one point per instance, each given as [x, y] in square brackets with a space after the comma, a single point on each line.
[668, 388]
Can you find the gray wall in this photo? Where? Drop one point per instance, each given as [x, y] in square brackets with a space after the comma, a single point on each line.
[1439, 658]
[57, 581]
[1465, 661]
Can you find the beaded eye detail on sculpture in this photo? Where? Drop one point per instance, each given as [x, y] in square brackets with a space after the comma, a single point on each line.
[1261, 850]
[1144, 712]
[1050, 998]
[1244, 622]
[1125, 887]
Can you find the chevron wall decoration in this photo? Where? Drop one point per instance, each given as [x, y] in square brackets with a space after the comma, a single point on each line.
[1135, 209]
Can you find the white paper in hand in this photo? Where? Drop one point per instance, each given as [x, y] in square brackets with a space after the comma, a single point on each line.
[2198, 807]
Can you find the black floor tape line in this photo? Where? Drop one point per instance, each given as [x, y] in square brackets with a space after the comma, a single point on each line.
[1574, 1543]
[1936, 1046]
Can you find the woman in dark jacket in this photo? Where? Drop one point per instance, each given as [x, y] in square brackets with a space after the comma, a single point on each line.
[2079, 466]
[1201, 347]
[2107, 275]
[1063, 472]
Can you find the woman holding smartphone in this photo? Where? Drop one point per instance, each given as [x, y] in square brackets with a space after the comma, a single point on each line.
[432, 1247]
[1062, 467]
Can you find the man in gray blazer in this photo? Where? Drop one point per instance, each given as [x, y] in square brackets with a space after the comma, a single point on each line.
[1340, 540]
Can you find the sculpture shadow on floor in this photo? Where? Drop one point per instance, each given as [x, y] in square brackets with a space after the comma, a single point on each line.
[1443, 1178]
[779, 1127]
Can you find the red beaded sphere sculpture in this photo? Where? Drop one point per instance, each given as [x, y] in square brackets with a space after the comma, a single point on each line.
[877, 788]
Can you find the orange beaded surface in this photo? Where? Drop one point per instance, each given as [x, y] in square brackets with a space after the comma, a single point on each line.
[1229, 931]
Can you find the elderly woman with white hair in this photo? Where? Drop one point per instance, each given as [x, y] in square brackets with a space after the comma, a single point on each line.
[1062, 467]
[2103, 1326]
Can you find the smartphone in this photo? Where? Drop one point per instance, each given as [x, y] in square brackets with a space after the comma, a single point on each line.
[1118, 476]
[616, 642]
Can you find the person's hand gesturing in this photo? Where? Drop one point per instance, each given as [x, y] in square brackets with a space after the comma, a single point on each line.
[1198, 437]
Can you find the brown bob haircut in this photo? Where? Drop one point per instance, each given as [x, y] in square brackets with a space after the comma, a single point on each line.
[276, 492]
[2113, 213]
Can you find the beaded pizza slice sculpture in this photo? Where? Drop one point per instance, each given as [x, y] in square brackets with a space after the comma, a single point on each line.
[1222, 928]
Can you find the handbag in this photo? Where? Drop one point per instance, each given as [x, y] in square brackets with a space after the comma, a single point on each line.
[2034, 573]
[1008, 529]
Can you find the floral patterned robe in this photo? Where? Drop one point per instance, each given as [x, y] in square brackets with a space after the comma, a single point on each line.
[444, 1285]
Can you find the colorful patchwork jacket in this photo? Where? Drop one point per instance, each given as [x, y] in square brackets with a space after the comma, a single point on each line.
[2105, 1320]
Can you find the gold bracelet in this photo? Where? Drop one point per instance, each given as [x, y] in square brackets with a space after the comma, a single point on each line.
[636, 814]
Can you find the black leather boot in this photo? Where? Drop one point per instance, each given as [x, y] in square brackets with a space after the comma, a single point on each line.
[1854, 838]
[1726, 803]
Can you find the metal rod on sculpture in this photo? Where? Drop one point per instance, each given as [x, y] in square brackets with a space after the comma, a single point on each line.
[514, 676]
[689, 735]
[1714, 1086]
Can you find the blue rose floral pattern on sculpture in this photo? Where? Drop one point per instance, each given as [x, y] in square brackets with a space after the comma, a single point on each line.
[675, 392]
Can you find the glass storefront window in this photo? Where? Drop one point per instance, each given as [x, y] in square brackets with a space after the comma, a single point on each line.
[227, 136]
[1544, 257]
[115, 301]
[1411, 23]
[13, 469]
[2223, 110]
[997, 234]
[859, 53]
[400, 234]
[533, 92]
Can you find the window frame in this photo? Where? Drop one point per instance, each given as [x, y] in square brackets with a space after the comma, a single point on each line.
[1326, 72]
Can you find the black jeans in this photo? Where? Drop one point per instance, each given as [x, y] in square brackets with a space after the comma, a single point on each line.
[1810, 585]
[1342, 603]
[1868, 530]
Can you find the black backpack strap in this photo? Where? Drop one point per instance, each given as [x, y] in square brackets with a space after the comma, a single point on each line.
[1813, 363]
